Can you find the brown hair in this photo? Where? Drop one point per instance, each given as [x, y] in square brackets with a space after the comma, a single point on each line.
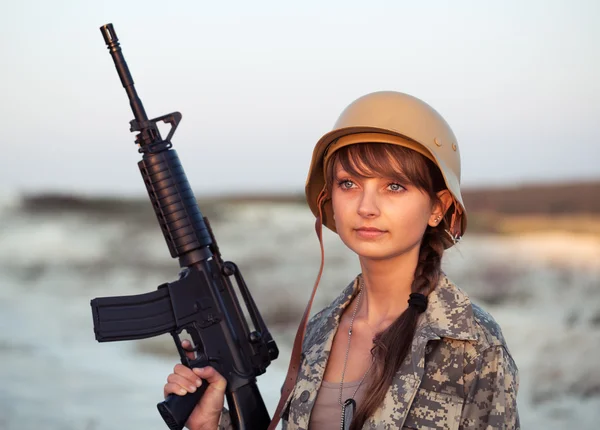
[392, 345]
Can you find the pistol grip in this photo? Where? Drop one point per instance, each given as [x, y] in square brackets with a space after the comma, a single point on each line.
[176, 410]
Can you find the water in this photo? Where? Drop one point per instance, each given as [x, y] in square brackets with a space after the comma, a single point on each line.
[54, 257]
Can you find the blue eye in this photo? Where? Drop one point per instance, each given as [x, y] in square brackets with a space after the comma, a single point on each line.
[395, 187]
[345, 184]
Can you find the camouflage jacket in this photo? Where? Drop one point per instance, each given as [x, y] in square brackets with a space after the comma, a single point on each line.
[458, 375]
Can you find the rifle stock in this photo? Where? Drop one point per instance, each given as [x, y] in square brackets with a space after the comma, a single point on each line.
[203, 301]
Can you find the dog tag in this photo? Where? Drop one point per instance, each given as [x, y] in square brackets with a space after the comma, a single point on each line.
[347, 413]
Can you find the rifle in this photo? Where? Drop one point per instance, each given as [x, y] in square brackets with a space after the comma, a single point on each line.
[202, 301]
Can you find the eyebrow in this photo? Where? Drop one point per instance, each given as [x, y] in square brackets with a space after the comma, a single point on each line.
[341, 171]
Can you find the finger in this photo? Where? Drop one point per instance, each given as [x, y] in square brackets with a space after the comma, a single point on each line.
[187, 345]
[214, 378]
[184, 371]
[186, 384]
[171, 388]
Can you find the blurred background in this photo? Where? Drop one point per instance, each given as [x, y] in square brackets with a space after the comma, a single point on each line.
[258, 84]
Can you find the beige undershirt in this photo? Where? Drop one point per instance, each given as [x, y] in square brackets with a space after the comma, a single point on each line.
[327, 412]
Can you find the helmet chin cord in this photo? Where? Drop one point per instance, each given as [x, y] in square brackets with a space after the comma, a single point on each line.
[296, 356]
[455, 239]
[455, 228]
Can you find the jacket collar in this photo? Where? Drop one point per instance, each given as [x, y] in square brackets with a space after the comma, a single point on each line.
[449, 313]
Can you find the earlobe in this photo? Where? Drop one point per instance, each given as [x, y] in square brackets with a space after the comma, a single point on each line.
[435, 219]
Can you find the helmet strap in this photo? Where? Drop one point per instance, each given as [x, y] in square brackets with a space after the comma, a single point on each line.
[455, 222]
[296, 357]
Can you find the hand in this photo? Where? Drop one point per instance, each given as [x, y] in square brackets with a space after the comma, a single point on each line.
[207, 412]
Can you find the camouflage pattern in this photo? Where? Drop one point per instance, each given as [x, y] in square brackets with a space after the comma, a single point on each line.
[225, 421]
[459, 374]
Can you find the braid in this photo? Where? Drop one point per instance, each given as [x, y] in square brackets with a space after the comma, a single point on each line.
[427, 273]
[393, 344]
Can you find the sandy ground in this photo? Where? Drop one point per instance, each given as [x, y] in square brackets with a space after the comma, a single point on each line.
[543, 289]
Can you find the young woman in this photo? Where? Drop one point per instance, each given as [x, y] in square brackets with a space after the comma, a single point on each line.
[402, 346]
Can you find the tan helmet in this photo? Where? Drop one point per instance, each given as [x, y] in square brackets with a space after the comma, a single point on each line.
[396, 118]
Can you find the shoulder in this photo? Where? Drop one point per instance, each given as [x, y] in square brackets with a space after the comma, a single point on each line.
[488, 357]
[490, 377]
[488, 331]
[454, 315]
[470, 351]
[462, 324]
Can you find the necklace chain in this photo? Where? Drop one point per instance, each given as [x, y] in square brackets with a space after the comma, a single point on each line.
[358, 299]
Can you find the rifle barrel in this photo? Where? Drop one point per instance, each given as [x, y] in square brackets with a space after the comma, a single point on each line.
[112, 42]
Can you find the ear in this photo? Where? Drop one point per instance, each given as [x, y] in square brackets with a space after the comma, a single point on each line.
[439, 209]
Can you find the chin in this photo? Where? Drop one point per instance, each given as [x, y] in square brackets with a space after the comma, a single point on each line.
[376, 250]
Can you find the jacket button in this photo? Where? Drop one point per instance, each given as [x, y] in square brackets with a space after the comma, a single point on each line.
[304, 396]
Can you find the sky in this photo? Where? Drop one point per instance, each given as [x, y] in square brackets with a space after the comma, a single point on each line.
[258, 83]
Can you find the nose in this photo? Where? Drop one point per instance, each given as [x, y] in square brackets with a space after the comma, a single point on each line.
[368, 207]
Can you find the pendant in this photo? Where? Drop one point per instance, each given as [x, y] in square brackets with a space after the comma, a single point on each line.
[347, 413]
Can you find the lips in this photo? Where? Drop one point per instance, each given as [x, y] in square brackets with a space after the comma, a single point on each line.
[369, 233]
[370, 229]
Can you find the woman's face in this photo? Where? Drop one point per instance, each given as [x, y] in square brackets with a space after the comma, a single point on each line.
[379, 218]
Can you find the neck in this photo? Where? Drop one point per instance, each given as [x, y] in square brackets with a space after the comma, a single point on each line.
[387, 286]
